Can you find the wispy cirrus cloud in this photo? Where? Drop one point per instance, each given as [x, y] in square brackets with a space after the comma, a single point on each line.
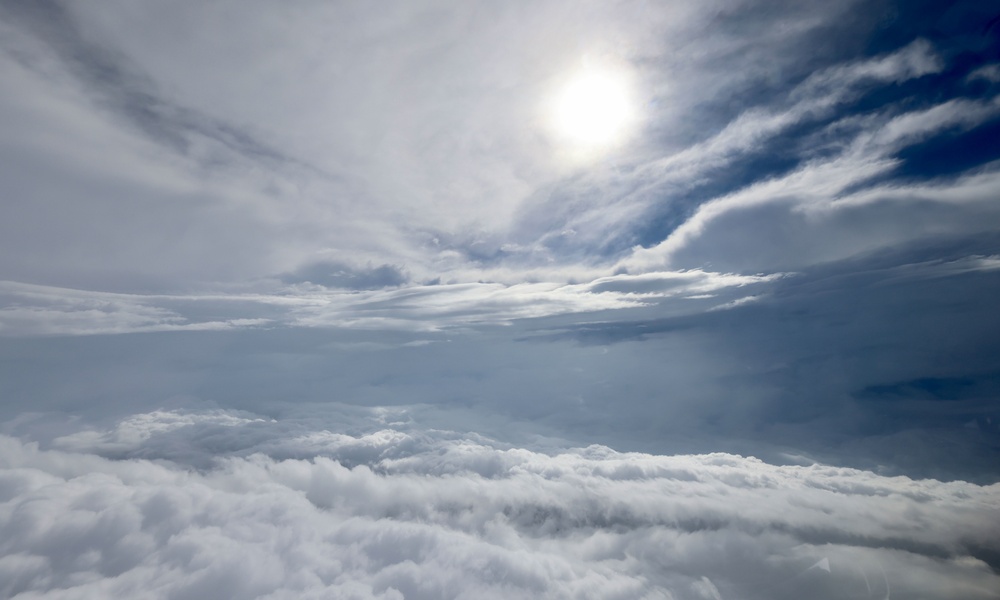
[45, 310]
[850, 178]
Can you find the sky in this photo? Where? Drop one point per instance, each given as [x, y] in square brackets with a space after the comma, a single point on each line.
[628, 299]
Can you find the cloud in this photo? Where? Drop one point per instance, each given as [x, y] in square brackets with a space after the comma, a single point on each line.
[46, 310]
[316, 154]
[642, 190]
[990, 73]
[659, 362]
[823, 186]
[373, 299]
[315, 160]
[307, 301]
[331, 274]
[442, 516]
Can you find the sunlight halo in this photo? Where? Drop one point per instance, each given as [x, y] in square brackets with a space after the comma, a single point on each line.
[593, 109]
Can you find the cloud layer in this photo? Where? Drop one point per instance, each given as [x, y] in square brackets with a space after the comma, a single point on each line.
[429, 158]
[390, 514]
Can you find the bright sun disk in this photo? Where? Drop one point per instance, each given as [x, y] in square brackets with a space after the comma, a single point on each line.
[593, 108]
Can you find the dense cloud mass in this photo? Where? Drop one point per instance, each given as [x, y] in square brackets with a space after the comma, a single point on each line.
[548, 299]
[390, 514]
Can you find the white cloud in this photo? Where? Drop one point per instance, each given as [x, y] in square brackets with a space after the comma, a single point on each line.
[820, 187]
[426, 155]
[432, 515]
[989, 73]
[954, 115]
[832, 85]
[344, 238]
[45, 310]
[310, 145]
[132, 432]
[819, 97]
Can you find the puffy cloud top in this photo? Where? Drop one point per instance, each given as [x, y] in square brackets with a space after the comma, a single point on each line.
[434, 515]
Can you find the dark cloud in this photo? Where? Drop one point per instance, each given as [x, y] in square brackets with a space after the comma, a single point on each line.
[338, 275]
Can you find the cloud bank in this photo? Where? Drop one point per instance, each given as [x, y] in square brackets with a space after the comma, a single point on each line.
[391, 514]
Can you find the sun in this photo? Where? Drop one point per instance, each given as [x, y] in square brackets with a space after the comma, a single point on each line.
[593, 108]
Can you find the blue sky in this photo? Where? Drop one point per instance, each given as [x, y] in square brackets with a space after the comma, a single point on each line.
[358, 263]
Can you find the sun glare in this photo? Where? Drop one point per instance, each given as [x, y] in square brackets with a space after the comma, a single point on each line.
[593, 108]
